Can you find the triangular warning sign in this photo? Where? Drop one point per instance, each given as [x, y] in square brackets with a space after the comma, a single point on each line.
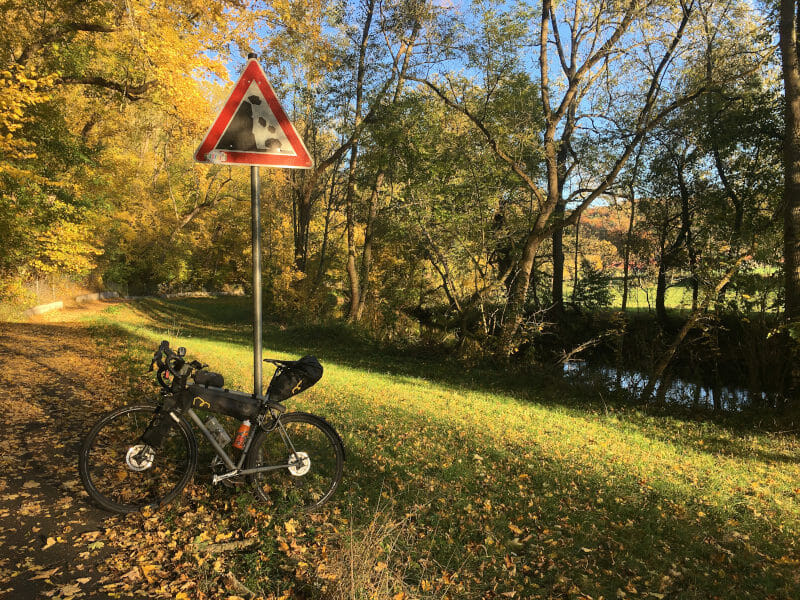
[253, 129]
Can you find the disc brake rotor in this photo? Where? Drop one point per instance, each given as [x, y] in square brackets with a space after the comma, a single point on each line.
[299, 464]
[140, 457]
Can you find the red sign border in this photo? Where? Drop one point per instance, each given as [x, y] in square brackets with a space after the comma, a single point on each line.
[254, 73]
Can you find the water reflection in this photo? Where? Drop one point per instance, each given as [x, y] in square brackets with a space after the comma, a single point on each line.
[678, 391]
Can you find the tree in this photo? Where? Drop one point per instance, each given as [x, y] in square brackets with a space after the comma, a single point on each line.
[575, 86]
[80, 76]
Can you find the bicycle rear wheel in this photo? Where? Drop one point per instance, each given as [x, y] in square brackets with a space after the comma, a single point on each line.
[314, 457]
[123, 474]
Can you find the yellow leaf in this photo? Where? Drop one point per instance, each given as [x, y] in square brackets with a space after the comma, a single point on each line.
[290, 526]
[147, 570]
[70, 590]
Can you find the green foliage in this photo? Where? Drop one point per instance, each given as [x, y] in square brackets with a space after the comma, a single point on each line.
[593, 288]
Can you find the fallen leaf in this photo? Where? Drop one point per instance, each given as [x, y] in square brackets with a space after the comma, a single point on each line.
[70, 589]
[291, 526]
[47, 574]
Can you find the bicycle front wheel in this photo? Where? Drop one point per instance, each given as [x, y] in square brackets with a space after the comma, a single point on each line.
[123, 474]
[311, 456]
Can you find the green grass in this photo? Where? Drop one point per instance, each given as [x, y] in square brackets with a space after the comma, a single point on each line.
[676, 297]
[499, 485]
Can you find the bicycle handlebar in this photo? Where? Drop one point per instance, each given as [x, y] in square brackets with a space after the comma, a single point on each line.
[174, 362]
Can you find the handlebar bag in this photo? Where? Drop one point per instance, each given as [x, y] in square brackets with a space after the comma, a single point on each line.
[294, 378]
[209, 378]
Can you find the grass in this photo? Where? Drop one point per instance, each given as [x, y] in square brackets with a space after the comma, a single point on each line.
[499, 487]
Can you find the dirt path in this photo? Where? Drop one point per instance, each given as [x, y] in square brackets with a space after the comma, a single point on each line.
[53, 385]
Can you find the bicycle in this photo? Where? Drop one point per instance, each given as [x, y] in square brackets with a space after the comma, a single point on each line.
[144, 455]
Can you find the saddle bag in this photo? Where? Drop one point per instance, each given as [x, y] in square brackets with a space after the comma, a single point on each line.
[294, 378]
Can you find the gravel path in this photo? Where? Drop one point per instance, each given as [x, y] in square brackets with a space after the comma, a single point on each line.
[53, 386]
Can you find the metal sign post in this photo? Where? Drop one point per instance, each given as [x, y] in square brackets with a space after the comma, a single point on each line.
[255, 204]
[253, 129]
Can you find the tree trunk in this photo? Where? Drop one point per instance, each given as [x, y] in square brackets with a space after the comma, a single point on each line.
[301, 211]
[362, 277]
[575, 265]
[686, 226]
[661, 290]
[626, 266]
[352, 270]
[515, 306]
[627, 258]
[558, 215]
[558, 264]
[791, 157]
[366, 256]
[326, 232]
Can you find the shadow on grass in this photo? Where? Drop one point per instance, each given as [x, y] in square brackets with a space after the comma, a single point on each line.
[580, 530]
[228, 320]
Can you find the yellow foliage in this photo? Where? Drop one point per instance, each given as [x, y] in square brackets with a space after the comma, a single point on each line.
[18, 90]
[65, 249]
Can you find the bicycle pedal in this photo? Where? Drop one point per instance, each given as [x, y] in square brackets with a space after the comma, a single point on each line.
[225, 476]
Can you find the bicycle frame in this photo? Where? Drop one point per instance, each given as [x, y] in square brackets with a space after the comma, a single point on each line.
[234, 468]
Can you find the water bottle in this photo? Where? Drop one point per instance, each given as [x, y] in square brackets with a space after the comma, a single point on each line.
[241, 435]
[218, 431]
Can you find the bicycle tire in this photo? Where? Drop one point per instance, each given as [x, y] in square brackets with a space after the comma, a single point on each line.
[109, 469]
[310, 485]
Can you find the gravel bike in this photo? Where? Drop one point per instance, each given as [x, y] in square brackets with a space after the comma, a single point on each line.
[143, 456]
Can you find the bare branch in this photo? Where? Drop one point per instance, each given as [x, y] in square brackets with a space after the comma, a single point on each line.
[130, 92]
[544, 81]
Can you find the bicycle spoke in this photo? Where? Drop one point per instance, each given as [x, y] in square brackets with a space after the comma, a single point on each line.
[125, 474]
[314, 453]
